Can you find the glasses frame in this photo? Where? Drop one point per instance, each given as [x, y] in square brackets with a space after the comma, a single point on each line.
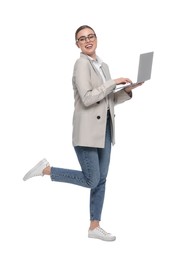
[87, 37]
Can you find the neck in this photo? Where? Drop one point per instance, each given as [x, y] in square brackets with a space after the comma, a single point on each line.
[93, 56]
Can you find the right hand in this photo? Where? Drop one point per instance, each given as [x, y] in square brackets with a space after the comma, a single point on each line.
[122, 81]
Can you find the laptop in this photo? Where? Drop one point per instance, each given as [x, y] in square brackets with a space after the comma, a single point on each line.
[144, 70]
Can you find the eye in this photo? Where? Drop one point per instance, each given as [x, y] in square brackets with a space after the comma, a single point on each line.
[91, 36]
[82, 39]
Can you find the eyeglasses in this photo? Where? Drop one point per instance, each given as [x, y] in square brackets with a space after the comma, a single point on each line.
[90, 37]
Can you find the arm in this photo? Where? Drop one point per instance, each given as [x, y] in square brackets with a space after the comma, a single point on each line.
[124, 94]
[121, 96]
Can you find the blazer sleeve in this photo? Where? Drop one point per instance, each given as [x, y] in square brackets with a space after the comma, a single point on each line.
[121, 96]
[90, 87]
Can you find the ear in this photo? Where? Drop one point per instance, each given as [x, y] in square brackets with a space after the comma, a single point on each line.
[77, 45]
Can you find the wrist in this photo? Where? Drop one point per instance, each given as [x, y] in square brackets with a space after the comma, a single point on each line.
[127, 90]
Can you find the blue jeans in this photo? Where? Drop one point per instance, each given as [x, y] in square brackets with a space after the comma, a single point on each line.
[94, 164]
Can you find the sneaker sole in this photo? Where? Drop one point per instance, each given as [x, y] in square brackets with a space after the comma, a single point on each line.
[101, 238]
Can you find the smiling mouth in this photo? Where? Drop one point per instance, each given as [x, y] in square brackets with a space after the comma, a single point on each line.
[88, 46]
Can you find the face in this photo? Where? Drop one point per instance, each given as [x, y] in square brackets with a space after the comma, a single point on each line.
[87, 42]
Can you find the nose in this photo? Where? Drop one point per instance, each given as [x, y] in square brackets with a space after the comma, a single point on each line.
[87, 39]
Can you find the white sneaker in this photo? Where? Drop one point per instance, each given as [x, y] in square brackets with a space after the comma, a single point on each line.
[36, 170]
[99, 233]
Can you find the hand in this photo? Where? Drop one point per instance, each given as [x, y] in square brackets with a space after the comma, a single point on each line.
[122, 81]
[128, 89]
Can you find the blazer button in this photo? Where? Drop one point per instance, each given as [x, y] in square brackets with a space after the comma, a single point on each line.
[98, 117]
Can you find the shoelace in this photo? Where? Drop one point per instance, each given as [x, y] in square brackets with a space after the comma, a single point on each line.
[103, 231]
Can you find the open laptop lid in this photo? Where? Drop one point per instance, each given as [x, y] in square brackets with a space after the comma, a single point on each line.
[145, 67]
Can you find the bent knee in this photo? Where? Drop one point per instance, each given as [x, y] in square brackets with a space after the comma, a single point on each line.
[93, 183]
[97, 182]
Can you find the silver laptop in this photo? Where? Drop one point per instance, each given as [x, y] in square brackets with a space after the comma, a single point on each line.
[144, 69]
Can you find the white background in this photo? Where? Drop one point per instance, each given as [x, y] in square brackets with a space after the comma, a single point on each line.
[41, 219]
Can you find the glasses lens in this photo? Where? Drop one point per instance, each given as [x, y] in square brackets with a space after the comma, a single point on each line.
[91, 37]
[82, 39]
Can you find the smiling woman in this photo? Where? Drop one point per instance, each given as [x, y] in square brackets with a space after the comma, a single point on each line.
[86, 40]
[93, 127]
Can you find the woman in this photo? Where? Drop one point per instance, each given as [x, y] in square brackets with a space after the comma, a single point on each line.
[93, 127]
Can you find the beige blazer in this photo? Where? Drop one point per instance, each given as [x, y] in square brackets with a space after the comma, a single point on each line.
[92, 96]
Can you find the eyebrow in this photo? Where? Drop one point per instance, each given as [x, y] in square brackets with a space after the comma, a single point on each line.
[87, 35]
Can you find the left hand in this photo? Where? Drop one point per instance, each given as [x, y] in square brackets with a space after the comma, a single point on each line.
[128, 89]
